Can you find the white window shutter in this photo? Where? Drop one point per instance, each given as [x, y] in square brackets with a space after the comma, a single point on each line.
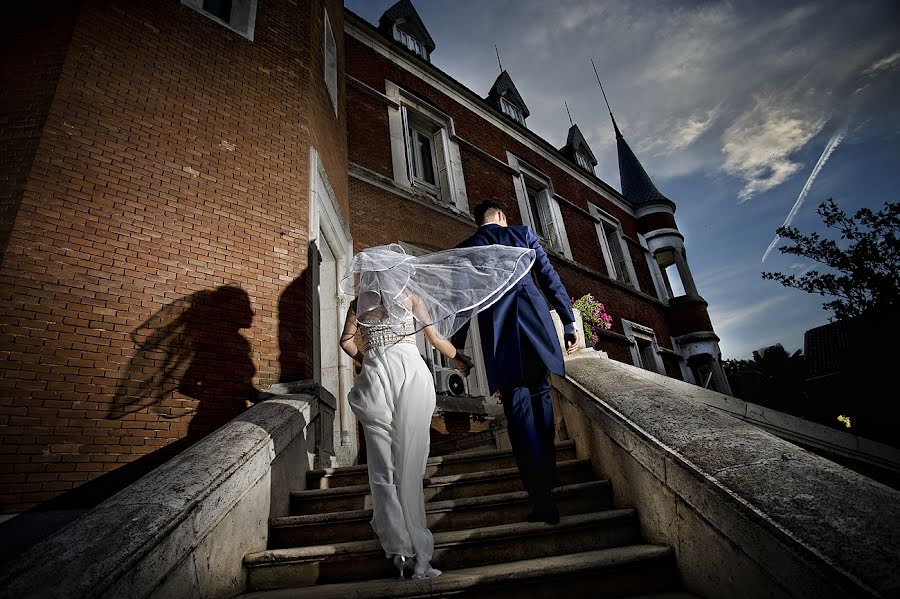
[442, 165]
[409, 143]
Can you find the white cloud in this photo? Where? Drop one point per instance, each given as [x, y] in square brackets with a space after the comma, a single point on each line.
[689, 40]
[884, 64]
[680, 132]
[759, 145]
[826, 154]
[730, 319]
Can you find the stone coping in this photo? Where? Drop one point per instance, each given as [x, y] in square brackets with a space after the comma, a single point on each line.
[143, 532]
[843, 524]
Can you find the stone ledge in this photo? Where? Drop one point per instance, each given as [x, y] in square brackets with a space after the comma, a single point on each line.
[814, 528]
[135, 543]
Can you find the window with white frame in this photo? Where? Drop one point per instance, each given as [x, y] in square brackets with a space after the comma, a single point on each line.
[424, 147]
[612, 244]
[539, 209]
[424, 151]
[668, 268]
[410, 42]
[237, 15]
[584, 162]
[538, 206]
[644, 348]
[510, 110]
[331, 64]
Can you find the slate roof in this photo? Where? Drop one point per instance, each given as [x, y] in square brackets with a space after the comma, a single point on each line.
[505, 88]
[403, 12]
[635, 182]
[575, 142]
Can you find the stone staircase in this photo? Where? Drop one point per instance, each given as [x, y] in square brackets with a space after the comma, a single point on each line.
[476, 508]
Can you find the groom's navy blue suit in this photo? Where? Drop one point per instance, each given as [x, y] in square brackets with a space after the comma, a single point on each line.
[520, 347]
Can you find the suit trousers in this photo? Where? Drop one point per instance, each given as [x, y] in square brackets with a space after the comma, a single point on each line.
[529, 416]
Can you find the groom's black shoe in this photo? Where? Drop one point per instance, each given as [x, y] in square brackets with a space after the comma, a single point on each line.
[550, 515]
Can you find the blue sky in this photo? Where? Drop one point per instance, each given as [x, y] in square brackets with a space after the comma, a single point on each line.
[728, 105]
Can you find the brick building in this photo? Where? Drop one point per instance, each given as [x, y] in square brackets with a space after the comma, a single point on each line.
[423, 149]
[158, 165]
[183, 182]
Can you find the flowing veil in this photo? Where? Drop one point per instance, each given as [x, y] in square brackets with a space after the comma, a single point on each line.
[454, 284]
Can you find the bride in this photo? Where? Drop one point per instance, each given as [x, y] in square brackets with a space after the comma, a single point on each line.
[397, 295]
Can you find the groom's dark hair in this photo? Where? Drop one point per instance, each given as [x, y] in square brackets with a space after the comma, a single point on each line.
[485, 210]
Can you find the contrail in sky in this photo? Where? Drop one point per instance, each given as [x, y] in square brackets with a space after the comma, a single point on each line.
[826, 153]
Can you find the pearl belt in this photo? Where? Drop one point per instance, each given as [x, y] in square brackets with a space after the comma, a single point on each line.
[382, 335]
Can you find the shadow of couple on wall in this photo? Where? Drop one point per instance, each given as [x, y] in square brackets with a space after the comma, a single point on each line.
[191, 372]
[191, 364]
[194, 348]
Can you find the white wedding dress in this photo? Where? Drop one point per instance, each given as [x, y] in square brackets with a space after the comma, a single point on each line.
[394, 398]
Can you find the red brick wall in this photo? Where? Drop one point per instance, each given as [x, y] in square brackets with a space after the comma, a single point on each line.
[689, 315]
[381, 217]
[656, 220]
[164, 219]
[375, 220]
[31, 58]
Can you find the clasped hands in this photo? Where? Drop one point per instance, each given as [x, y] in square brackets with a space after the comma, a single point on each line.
[463, 363]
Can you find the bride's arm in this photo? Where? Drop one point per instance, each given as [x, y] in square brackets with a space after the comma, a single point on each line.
[463, 362]
[348, 337]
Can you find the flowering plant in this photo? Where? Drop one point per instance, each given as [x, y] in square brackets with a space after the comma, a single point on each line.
[594, 316]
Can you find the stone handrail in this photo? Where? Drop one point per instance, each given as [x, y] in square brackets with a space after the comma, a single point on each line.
[747, 513]
[183, 529]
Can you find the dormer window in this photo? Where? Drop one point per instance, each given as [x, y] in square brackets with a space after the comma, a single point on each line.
[410, 43]
[584, 162]
[510, 110]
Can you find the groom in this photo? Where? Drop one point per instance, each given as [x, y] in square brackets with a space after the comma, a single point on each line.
[520, 349]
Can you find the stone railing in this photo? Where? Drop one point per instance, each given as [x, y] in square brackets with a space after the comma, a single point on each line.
[183, 530]
[748, 514]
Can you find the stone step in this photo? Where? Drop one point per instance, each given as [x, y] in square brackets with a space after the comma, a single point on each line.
[453, 514]
[461, 463]
[363, 560]
[626, 571]
[456, 486]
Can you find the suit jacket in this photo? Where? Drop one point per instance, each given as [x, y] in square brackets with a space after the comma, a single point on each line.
[521, 314]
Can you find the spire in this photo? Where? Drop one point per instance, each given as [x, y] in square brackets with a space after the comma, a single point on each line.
[635, 182]
[612, 118]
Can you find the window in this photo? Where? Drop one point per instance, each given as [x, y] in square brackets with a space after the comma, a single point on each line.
[512, 111]
[424, 140]
[618, 267]
[612, 245]
[219, 8]
[584, 162]
[644, 349]
[538, 211]
[702, 368]
[410, 43]
[668, 268]
[538, 206]
[331, 64]
[424, 151]
[237, 15]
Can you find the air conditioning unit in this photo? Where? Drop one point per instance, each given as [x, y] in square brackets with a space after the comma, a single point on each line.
[448, 381]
